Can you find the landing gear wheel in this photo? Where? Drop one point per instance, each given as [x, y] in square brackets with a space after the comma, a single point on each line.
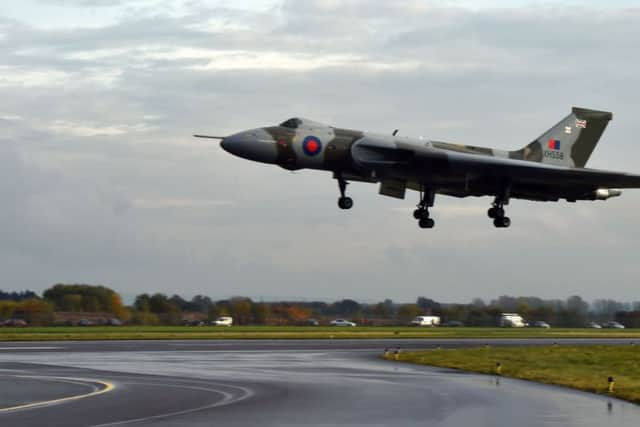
[421, 213]
[502, 222]
[495, 212]
[345, 202]
[426, 223]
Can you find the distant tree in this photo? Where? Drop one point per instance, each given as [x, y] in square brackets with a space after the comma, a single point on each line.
[118, 309]
[80, 297]
[160, 304]
[346, 307]
[201, 303]
[428, 306]
[180, 303]
[17, 296]
[35, 311]
[630, 319]
[406, 312]
[576, 304]
[478, 303]
[260, 312]
[241, 308]
[142, 303]
[7, 308]
[380, 310]
[605, 309]
[144, 318]
[71, 302]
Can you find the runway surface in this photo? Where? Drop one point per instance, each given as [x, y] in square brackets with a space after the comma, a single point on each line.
[276, 383]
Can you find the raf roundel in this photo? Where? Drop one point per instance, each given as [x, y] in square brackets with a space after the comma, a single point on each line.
[312, 146]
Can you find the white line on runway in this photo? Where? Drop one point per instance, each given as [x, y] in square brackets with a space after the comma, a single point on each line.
[30, 348]
[227, 399]
[107, 388]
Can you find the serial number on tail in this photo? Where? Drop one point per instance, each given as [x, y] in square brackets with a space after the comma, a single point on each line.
[554, 154]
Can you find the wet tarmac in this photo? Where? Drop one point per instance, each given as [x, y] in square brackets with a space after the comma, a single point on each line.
[280, 383]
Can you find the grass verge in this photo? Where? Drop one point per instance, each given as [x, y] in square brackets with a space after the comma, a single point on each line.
[293, 332]
[581, 367]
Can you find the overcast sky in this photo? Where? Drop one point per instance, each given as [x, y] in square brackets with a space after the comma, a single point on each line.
[100, 181]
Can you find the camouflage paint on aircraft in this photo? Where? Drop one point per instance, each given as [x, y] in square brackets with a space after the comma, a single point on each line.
[550, 168]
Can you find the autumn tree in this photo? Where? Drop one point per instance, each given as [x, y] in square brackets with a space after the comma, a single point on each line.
[407, 312]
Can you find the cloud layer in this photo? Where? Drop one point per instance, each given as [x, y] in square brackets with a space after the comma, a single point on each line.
[101, 181]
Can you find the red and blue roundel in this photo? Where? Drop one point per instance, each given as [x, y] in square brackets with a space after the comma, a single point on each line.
[312, 146]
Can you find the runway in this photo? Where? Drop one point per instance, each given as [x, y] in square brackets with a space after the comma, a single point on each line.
[277, 383]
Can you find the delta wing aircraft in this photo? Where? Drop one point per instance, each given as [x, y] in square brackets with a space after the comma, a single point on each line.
[550, 168]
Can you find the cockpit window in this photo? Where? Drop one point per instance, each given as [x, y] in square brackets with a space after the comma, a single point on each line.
[291, 123]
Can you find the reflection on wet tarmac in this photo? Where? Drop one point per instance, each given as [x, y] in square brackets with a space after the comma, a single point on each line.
[316, 387]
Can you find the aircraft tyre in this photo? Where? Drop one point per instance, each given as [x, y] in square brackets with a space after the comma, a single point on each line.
[345, 202]
[421, 214]
[426, 223]
[502, 222]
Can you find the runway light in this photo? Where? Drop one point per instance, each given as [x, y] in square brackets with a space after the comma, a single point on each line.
[386, 353]
[498, 368]
[396, 354]
[611, 384]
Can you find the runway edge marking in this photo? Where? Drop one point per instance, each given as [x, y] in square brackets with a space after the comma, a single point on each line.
[107, 388]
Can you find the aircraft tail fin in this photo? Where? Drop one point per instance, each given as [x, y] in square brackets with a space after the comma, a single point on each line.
[570, 142]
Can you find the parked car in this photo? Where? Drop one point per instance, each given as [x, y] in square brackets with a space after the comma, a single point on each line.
[85, 322]
[14, 323]
[425, 321]
[594, 325]
[341, 322]
[312, 322]
[223, 321]
[453, 323]
[613, 325]
[539, 324]
[114, 322]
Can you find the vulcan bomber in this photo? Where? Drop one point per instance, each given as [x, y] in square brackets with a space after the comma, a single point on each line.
[550, 168]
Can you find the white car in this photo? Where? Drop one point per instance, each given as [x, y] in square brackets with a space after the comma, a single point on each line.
[341, 322]
[613, 325]
[223, 321]
[425, 321]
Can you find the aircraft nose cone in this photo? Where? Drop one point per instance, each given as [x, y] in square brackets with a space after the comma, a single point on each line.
[255, 145]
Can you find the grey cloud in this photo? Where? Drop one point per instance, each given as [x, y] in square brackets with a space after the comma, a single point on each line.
[210, 223]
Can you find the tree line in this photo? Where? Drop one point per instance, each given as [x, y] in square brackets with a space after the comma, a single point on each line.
[159, 308]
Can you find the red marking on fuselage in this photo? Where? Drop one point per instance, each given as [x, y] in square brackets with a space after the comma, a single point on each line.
[312, 146]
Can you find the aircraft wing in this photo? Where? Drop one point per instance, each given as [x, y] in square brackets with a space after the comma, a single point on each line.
[525, 172]
[462, 174]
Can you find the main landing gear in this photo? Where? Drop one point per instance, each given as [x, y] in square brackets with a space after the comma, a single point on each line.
[344, 202]
[422, 212]
[496, 211]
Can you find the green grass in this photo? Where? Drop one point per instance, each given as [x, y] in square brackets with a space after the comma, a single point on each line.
[581, 367]
[294, 332]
